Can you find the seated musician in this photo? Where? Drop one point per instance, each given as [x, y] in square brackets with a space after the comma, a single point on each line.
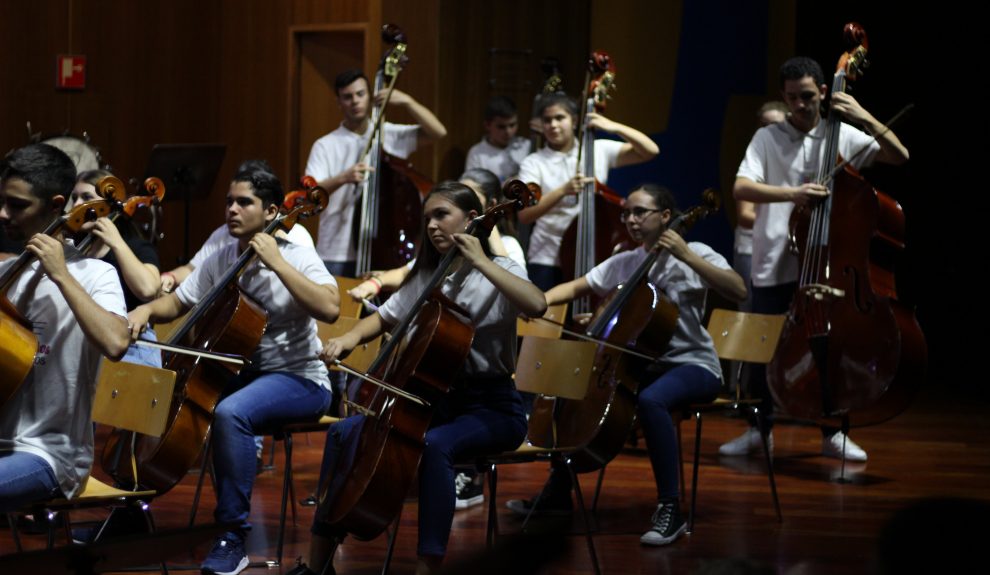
[483, 412]
[335, 160]
[285, 381]
[687, 372]
[76, 308]
[134, 258]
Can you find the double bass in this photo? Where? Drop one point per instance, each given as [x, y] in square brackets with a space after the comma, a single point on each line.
[596, 231]
[633, 325]
[849, 350]
[227, 322]
[387, 225]
[16, 336]
[365, 491]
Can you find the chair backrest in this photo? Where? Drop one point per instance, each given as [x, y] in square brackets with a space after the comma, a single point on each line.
[362, 356]
[743, 336]
[555, 367]
[555, 313]
[133, 397]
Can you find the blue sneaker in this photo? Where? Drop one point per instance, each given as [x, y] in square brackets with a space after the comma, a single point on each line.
[227, 556]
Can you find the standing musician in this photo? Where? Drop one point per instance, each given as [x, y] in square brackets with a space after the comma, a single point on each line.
[134, 258]
[687, 372]
[778, 173]
[554, 167]
[500, 150]
[76, 308]
[483, 413]
[285, 381]
[334, 160]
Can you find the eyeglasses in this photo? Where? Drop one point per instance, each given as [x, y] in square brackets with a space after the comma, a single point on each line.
[637, 213]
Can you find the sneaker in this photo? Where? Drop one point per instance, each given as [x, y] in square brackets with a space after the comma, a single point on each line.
[832, 447]
[303, 569]
[668, 525]
[227, 556]
[469, 493]
[748, 442]
[550, 505]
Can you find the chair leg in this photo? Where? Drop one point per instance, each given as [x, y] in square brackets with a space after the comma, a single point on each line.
[766, 453]
[392, 536]
[694, 473]
[207, 462]
[492, 531]
[598, 490]
[12, 521]
[587, 519]
[287, 495]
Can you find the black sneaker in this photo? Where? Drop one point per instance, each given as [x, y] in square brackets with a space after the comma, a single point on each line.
[469, 493]
[549, 505]
[668, 525]
[303, 569]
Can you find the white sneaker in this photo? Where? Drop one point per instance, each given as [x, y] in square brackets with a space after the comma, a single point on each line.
[832, 447]
[748, 442]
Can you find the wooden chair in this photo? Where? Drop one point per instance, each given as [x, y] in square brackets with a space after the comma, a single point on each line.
[742, 337]
[128, 396]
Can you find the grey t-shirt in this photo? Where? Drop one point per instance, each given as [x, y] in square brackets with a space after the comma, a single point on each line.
[690, 342]
[290, 343]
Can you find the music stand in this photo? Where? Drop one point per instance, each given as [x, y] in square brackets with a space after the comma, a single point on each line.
[189, 170]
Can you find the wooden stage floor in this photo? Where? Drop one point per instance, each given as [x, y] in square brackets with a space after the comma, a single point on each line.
[939, 448]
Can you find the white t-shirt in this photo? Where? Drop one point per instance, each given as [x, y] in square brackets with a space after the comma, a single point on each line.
[503, 162]
[331, 155]
[782, 155]
[514, 250]
[551, 169]
[221, 237]
[493, 351]
[744, 240]
[690, 342]
[290, 342]
[51, 414]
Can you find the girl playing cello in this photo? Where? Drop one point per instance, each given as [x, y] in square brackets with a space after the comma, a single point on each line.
[483, 412]
[688, 371]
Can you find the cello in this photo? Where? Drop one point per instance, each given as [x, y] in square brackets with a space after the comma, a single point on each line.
[633, 326]
[386, 227]
[129, 207]
[593, 235]
[365, 491]
[226, 321]
[849, 349]
[16, 336]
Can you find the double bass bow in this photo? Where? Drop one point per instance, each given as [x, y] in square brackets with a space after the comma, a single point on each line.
[593, 235]
[16, 336]
[365, 491]
[849, 349]
[387, 225]
[637, 316]
[226, 321]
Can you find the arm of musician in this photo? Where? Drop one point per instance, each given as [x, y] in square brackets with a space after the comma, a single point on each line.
[550, 199]
[431, 129]
[171, 279]
[638, 147]
[496, 245]
[725, 281]
[805, 194]
[370, 287]
[568, 291]
[161, 310]
[521, 292]
[745, 214]
[142, 279]
[106, 330]
[320, 301]
[363, 331]
[892, 151]
[352, 175]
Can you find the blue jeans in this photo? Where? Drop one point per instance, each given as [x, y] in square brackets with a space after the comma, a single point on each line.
[25, 478]
[478, 417]
[678, 386]
[253, 403]
[543, 276]
[144, 355]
